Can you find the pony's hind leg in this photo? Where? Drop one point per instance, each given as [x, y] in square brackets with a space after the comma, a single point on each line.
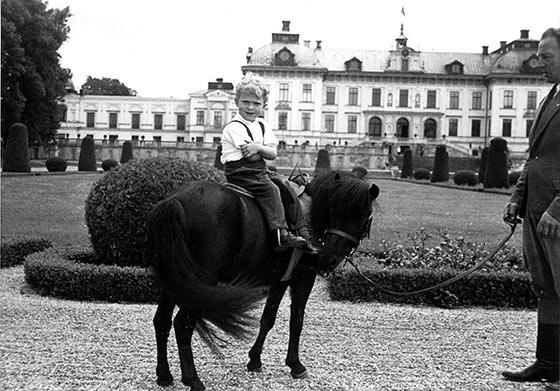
[184, 328]
[162, 326]
[268, 318]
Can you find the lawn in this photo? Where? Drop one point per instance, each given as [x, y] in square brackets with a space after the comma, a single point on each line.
[52, 207]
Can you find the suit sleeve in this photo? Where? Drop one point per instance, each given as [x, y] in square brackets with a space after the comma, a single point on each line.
[517, 195]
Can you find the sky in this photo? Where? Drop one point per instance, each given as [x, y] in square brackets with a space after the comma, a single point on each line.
[170, 48]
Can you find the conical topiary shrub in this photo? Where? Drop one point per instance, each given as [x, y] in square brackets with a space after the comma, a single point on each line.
[441, 165]
[483, 165]
[87, 160]
[16, 158]
[407, 168]
[126, 154]
[323, 162]
[497, 169]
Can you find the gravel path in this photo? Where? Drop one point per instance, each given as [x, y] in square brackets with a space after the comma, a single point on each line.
[52, 344]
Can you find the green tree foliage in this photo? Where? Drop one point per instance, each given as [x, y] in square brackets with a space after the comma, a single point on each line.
[126, 154]
[407, 164]
[32, 79]
[441, 165]
[497, 170]
[105, 86]
[16, 158]
[87, 160]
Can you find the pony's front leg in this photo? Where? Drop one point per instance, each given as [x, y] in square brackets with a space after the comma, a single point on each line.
[275, 294]
[300, 290]
[162, 326]
[184, 328]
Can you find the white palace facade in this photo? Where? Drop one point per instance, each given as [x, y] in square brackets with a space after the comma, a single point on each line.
[400, 97]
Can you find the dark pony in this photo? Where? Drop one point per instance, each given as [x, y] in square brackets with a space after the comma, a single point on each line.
[209, 248]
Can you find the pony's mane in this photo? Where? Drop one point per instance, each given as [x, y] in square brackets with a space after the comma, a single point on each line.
[344, 190]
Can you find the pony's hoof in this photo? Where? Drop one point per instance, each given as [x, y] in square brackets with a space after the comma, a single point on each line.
[254, 366]
[164, 380]
[301, 375]
[196, 384]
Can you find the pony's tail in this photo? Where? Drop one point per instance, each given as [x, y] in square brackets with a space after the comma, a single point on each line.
[228, 307]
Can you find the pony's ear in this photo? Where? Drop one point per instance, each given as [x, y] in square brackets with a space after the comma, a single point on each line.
[336, 176]
[374, 191]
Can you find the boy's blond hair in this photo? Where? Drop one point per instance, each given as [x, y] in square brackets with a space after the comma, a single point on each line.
[255, 84]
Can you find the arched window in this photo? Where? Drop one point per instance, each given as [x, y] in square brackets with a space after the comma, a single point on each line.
[374, 129]
[430, 127]
[402, 127]
[62, 113]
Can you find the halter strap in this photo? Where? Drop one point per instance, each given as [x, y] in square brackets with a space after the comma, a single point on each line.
[342, 234]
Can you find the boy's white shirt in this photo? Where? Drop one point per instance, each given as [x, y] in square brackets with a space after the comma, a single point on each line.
[235, 135]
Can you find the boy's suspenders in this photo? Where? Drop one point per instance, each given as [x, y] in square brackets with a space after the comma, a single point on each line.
[247, 128]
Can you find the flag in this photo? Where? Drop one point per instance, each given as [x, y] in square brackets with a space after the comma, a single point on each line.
[402, 11]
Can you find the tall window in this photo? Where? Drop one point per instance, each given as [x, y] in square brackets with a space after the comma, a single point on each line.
[282, 120]
[454, 100]
[181, 123]
[490, 100]
[475, 128]
[200, 117]
[157, 139]
[528, 126]
[374, 127]
[284, 92]
[158, 121]
[90, 119]
[389, 100]
[376, 97]
[329, 123]
[352, 123]
[113, 120]
[218, 116]
[431, 99]
[506, 127]
[453, 127]
[417, 100]
[353, 96]
[430, 127]
[508, 99]
[531, 100]
[403, 98]
[477, 100]
[135, 120]
[331, 95]
[404, 65]
[305, 120]
[307, 93]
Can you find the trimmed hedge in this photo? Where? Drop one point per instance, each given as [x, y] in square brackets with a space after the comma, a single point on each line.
[56, 164]
[64, 274]
[465, 178]
[87, 161]
[323, 162]
[16, 155]
[126, 154]
[497, 169]
[13, 251]
[440, 172]
[407, 168]
[108, 164]
[421, 173]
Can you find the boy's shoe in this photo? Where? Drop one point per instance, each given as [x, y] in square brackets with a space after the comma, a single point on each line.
[309, 248]
[288, 240]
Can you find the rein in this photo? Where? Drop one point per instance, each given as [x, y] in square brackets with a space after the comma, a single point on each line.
[444, 283]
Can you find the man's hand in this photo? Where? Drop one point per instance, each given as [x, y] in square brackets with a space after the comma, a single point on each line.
[548, 226]
[510, 213]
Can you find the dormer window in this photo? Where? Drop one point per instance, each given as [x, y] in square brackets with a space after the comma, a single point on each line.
[284, 57]
[455, 68]
[531, 65]
[353, 65]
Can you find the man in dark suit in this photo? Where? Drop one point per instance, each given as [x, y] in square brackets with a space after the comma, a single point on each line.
[536, 198]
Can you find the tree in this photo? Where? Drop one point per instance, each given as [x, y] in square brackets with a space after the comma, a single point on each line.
[32, 79]
[16, 158]
[105, 86]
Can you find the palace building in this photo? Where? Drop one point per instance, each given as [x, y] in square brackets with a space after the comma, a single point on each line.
[401, 97]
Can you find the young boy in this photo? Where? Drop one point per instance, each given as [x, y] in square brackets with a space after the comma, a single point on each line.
[246, 142]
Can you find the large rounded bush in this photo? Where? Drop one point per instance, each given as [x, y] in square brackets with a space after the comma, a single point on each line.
[120, 201]
[421, 173]
[56, 164]
[465, 177]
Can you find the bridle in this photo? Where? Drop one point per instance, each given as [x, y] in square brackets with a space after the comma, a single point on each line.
[354, 240]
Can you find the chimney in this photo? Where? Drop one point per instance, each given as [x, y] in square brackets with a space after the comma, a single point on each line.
[503, 44]
[307, 44]
[318, 44]
[220, 79]
[285, 25]
[524, 34]
[485, 50]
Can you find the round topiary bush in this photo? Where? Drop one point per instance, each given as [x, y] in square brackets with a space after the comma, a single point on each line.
[360, 172]
[119, 202]
[16, 156]
[441, 165]
[465, 177]
[323, 162]
[108, 164]
[421, 173]
[86, 161]
[126, 154]
[497, 167]
[56, 164]
[513, 177]
[407, 164]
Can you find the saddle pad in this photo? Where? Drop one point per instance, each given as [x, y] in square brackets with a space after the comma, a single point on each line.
[239, 190]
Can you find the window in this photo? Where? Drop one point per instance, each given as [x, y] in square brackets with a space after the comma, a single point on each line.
[508, 99]
[454, 100]
[417, 100]
[528, 125]
[134, 139]
[181, 123]
[282, 120]
[158, 121]
[180, 139]
[477, 100]
[135, 120]
[353, 96]
[404, 65]
[430, 127]
[331, 94]
[218, 115]
[431, 99]
[374, 127]
[352, 123]
[200, 117]
[305, 121]
[506, 127]
[475, 128]
[329, 123]
[112, 120]
[307, 93]
[113, 138]
[157, 139]
[403, 98]
[376, 97]
[284, 92]
[455, 68]
[531, 100]
[389, 100]
[90, 119]
[453, 126]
